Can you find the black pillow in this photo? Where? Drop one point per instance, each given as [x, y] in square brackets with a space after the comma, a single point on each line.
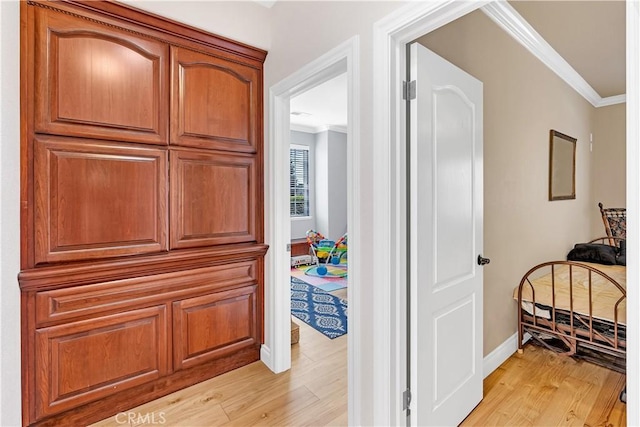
[593, 252]
[621, 259]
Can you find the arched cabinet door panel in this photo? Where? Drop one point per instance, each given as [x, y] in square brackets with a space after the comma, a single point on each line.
[96, 199]
[215, 103]
[98, 81]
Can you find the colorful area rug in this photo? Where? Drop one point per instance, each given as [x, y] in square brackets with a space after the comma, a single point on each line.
[327, 284]
[320, 310]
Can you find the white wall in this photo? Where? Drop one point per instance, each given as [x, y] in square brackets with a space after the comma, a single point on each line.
[299, 226]
[243, 21]
[336, 208]
[10, 394]
[328, 167]
[322, 183]
[301, 32]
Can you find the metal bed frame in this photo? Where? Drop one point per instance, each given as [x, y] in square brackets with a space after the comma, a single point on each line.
[573, 331]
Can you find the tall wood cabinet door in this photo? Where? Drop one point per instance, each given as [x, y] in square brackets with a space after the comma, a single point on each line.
[98, 81]
[215, 103]
[95, 199]
[214, 325]
[213, 198]
[83, 361]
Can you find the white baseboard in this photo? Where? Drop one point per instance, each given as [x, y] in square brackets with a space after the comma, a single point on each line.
[490, 363]
[497, 357]
[265, 356]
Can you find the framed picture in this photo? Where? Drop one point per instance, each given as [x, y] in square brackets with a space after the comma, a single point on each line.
[562, 166]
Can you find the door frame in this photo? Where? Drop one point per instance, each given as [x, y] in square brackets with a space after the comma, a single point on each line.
[276, 350]
[391, 35]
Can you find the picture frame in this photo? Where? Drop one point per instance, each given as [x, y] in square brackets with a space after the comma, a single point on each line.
[562, 166]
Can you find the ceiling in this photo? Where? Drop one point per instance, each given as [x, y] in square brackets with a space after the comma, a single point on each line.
[324, 106]
[589, 35]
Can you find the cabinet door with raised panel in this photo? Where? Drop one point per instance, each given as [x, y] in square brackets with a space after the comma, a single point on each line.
[83, 361]
[213, 198]
[214, 325]
[95, 199]
[99, 81]
[215, 103]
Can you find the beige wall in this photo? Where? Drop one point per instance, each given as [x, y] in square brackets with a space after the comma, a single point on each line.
[523, 100]
[608, 169]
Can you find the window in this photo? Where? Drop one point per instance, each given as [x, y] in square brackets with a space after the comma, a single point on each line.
[299, 180]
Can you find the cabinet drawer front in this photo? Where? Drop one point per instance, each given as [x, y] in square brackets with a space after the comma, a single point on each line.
[95, 199]
[214, 325]
[68, 304]
[215, 103]
[213, 199]
[80, 362]
[99, 81]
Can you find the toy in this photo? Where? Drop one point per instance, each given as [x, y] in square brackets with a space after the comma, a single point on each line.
[303, 260]
[327, 252]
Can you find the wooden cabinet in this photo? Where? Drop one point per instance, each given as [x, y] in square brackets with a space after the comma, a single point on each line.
[141, 208]
[204, 182]
[98, 199]
[82, 361]
[214, 103]
[212, 325]
[99, 81]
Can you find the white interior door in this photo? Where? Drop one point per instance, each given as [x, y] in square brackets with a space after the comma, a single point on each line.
[445, 158]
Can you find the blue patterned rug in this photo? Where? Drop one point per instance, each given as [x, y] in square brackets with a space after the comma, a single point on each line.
[320, 310]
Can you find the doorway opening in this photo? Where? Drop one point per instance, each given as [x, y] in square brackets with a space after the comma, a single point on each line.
[391, 35]
[276, 350]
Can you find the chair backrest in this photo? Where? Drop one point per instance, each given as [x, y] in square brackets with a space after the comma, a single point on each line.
[615, 222]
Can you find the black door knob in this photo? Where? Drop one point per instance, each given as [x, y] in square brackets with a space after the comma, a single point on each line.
[483, 261]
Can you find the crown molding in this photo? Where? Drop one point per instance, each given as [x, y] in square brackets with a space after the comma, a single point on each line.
[307, 128]
[337, 128]
[317, 129]
[507, 18]
[612, 100]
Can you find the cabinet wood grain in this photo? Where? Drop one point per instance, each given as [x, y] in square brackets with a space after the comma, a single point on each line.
[83, 361]
[98, 81]
[97, 199]
[214, 102]
[214, 198]
[142, 249]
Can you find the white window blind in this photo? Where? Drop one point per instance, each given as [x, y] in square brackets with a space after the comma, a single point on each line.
[299, 181]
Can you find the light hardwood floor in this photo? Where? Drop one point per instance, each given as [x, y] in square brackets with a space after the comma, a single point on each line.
[541, 388]
[313, 392]
[537, 388]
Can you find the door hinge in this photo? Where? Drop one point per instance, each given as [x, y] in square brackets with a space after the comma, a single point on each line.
[409, 90]
[288, 247]
[406, 399]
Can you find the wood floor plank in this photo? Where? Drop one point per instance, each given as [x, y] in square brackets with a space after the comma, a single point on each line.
[277, 409]
[571, 404]
[607, 398]
[541, 388]
[536, 388]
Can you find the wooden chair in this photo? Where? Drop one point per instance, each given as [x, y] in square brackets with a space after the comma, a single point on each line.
[615, 222]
